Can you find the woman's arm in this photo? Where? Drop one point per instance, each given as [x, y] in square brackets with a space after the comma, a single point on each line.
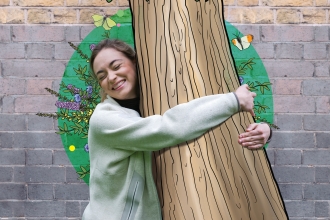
[181, 123]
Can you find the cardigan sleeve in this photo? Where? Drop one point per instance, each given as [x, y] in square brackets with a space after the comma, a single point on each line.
[184, 122]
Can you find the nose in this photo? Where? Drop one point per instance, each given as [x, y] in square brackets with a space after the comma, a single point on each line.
[112, 77]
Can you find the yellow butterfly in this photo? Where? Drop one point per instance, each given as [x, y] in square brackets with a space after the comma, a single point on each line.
[106, 22]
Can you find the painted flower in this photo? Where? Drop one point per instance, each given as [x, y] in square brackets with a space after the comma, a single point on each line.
[77, 98]
[86, 148]
[69, 86]
[76, 90]
[241, 80]
[89, 90]
[68, 105]
[92, 46]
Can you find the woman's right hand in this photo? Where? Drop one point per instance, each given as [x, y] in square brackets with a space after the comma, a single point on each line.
[245, 98]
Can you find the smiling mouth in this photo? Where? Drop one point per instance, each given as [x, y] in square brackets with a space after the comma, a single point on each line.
[118, 85]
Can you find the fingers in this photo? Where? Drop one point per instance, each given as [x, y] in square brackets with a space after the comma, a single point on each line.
[251, 127]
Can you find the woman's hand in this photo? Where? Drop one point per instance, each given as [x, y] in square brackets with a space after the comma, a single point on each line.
[245, 98]
[255, 137]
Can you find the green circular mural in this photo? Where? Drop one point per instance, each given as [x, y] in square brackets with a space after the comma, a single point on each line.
[79, 92]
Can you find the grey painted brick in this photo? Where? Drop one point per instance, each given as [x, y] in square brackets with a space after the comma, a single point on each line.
[8, 104]
[72, 33]
[44, 174]
[292, 68]
[12, 51]
[317, 192]
[43, 51]
[322, 140]
[12, 157]
[12, 86]
[316, 157]
[315, 51]
[19, 174]
[322, 174]
[288, 157]
[322, 68]
[31, 68]
[71, 191]
[316, 87]
[294, 104]
[271, 155]
[316, 122]
[45, 209]
[291, 191]
[321, 34]
[12, 208]
[85, 30]
[265, 50]
[294, 174]
[60, 158]
[73, 209]
[6, 174]
[292, 140]
[83, 207]
[63, 51]
[39, 157]
[72, 176]
[6, 140]
[289, 51]
[37, 123]
[12, 122]
[5, 33]
[285, 33]
[322, 209]
[37, 140]
[300, 208]
[40, 192]
[289, 122]
[39, 33]
[11, 191]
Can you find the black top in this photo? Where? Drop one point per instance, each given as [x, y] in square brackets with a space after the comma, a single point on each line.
[130, 103]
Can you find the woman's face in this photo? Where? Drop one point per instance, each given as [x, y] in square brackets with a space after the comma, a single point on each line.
[116, 74]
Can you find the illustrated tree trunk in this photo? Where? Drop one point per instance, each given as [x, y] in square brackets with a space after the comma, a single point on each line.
[183, 53]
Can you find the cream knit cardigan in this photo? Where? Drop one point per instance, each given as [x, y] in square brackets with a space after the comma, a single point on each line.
[120, 144]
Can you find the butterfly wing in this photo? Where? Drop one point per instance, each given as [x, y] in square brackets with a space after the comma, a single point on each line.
[109, 1]
[98, 20]
[108, 24]
[236, 42]
[246, 41]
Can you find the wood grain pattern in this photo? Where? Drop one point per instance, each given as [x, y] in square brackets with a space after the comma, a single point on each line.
[183, 53]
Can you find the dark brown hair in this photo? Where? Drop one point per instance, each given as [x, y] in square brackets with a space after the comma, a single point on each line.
[114, 44]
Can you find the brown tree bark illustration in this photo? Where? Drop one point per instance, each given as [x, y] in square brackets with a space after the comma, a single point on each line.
[183, 53]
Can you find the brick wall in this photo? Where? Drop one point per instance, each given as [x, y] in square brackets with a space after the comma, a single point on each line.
[37, 180]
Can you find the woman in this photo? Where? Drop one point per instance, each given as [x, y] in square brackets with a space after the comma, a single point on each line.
[120, 141]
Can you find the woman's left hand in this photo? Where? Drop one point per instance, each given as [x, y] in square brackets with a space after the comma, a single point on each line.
[255, 137]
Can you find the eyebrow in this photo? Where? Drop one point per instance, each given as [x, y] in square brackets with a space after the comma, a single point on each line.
[111, 63]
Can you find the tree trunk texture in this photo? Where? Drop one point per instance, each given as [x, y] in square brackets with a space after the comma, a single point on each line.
[183, 53]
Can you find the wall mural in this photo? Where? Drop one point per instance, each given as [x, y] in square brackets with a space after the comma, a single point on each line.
[79, 92]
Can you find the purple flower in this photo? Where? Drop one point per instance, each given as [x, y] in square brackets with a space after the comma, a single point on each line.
[68, 105]
[77, 98]
[86, 148]
[76, 90]
[89, 89]
[69, 86]
[241, 79]
[92, 46]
